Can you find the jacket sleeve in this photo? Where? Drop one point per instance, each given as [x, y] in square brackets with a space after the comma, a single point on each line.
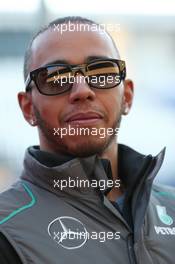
[7, 253]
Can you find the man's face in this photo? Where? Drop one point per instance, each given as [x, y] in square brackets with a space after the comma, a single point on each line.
[82, 106]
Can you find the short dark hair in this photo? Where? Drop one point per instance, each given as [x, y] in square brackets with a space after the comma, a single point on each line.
[58, 21]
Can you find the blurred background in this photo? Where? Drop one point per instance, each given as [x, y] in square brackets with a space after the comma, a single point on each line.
[145, 37]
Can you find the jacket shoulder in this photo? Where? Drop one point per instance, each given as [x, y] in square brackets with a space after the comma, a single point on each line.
[15, 200]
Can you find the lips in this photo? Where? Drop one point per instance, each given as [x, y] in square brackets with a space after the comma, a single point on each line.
[86, 117]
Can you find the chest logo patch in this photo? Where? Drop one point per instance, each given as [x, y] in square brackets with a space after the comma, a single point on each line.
[68, 232]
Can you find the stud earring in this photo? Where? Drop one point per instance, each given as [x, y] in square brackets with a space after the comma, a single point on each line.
[126, 110]
[32, 122]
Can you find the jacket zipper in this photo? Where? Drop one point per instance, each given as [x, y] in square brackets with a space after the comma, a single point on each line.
[131, 253]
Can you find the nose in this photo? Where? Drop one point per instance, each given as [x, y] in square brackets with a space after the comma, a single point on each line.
[80, 90]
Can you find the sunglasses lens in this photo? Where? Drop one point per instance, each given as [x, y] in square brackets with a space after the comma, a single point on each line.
[54, 80]
[103, 74]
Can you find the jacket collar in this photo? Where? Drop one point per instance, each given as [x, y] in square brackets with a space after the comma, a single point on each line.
[44, 169]
[138, 172]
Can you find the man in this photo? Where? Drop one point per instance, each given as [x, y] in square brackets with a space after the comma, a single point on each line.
[82, 197]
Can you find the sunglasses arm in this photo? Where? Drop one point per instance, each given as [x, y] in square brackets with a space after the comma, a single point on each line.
[27, 82]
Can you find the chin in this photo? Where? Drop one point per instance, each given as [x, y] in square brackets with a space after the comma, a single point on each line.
[84, 147]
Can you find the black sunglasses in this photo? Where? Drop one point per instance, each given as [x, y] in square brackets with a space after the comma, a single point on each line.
[56, 79]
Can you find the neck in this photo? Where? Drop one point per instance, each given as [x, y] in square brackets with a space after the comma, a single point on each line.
[111, 153]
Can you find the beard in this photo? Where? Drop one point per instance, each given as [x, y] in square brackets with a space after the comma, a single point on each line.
[79, 146]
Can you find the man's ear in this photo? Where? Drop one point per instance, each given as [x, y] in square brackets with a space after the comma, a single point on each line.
[128, 96]
[25, 103]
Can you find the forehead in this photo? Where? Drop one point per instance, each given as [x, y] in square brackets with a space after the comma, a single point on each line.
[72, 46]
